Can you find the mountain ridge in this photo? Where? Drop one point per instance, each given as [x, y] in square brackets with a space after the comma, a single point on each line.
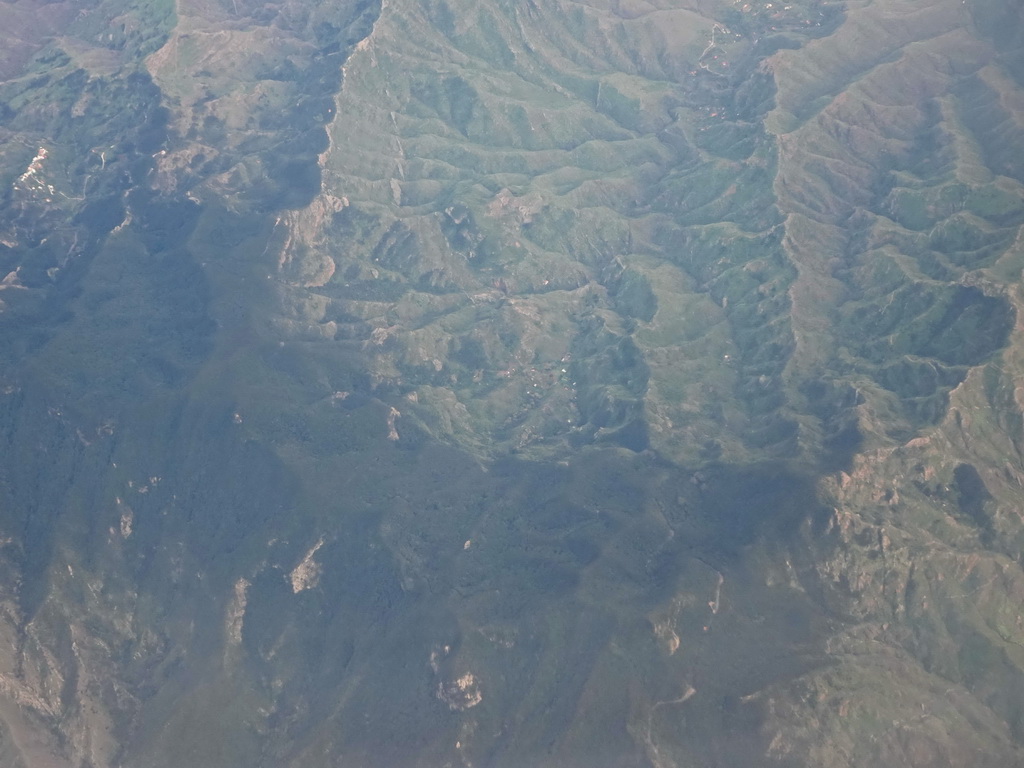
[431, 383]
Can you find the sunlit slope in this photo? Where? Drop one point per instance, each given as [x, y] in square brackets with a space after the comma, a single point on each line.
[903, 215]
[518, 209]
[730, 256]
[495, 383]
[896, 223]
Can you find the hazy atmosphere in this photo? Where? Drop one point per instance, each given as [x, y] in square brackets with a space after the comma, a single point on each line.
[511, 384]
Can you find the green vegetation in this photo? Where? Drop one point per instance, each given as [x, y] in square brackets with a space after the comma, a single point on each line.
[440, 383]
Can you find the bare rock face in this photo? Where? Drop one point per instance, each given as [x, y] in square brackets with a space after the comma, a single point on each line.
[436, 383]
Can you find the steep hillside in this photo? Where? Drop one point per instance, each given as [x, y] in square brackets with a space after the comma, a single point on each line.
[442, 383]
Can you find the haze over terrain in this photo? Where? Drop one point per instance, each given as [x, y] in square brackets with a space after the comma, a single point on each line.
[511, 383]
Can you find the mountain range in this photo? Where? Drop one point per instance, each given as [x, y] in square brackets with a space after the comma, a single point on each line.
[421, 383]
